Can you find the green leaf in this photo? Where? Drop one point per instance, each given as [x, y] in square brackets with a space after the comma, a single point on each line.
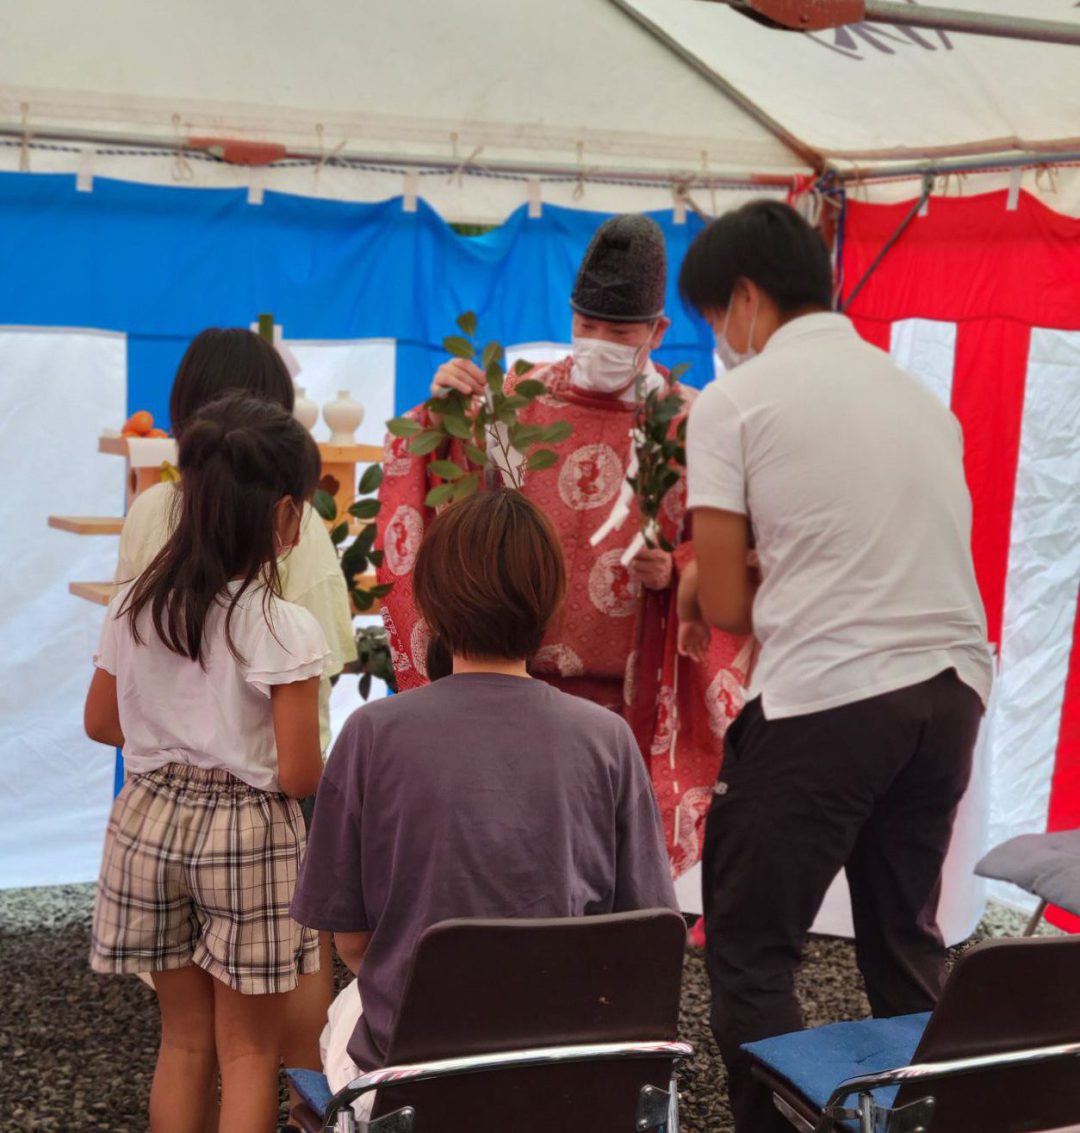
[366, 539]
[680, 431]
[365, 509]
[665, 545]
[365, 686]
[676, 373]
[522, 436]
[339, 534]
[381, 590]
[514, 402]
[467, 323]
[466, 486]
[541, 458]
[377, 558]
[325, 505]
[476, 454]
[457, 427]
[493, 355]
[452, 403]
[362, 600]
[440, 495]
[459, 347]
[426, 442]
[354, 561]
[371, 480]
[404, 427]
[557, 433]
[523, 367]
[447, 469]
[530, 388]
[495, 376]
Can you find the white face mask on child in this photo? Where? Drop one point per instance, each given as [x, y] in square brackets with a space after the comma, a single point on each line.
[280, 546]
[606, 367]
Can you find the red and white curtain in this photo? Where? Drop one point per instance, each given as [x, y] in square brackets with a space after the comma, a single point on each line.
[980, 298]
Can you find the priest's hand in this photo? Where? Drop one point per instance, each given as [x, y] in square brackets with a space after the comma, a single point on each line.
[652, 568]
[461, 375]
[694, 640]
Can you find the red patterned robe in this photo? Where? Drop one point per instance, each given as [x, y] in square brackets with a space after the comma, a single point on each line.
[614, 642]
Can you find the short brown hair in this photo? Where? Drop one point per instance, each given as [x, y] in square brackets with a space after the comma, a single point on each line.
[489, 576]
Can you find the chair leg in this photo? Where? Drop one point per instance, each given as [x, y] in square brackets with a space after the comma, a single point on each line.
[1036, 919]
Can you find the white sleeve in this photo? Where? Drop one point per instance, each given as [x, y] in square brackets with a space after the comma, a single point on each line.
[715, 467]
[293, 649]
[105, 657]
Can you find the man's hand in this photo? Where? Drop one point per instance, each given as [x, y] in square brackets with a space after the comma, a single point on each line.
[694, 640]
[461, 375]
[652, 568]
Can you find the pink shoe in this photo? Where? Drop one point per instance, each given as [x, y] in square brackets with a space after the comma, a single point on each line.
[697, 934]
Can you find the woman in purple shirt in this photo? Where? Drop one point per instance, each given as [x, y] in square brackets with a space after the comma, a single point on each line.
[484, 794]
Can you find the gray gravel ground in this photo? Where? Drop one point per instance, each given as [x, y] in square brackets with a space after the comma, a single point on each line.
[77, 1050]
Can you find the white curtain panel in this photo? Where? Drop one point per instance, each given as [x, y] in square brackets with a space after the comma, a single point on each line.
[62, 388]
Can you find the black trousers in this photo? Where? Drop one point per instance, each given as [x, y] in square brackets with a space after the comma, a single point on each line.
[870, 787]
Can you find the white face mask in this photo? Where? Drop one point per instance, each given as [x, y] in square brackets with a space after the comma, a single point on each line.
[606, 367]
[280, 546]
[728, 355]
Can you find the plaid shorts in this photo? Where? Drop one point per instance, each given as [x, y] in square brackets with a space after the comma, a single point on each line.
[199, 868]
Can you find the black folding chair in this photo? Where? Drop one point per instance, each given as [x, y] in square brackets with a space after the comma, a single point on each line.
[999, 1054]
[527, 1025]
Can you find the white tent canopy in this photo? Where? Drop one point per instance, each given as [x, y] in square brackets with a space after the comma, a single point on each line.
[609, 103]
[870, 93]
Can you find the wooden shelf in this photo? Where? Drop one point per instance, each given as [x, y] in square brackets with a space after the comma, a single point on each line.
[114, 446]
[350, 454]
[87, 524]
[331, 454]
[100, 593]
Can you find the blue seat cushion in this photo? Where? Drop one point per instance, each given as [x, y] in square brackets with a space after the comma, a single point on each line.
[815, 1062]
[313, 1088]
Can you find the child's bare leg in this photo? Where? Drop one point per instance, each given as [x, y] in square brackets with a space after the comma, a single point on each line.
[305, 1014]
[248, 1031]
[185, 1069]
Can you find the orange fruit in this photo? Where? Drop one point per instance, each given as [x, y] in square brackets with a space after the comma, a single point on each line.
[140, 423]
[157, 433]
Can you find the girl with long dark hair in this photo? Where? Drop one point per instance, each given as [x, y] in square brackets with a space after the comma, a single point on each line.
[217, 362]
[209, 681]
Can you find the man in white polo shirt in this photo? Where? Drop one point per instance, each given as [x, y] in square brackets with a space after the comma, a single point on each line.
[845, 476]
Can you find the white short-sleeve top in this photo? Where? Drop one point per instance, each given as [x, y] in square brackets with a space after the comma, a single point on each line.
[851, 473]
[217, 714]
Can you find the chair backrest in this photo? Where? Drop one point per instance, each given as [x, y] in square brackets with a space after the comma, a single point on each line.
[486, 986]
[1006, 995]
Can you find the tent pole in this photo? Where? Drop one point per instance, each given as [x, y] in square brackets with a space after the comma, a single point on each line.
[797, 15]
[928, 184]
[396, 163]
[973, 23]
[899, 171]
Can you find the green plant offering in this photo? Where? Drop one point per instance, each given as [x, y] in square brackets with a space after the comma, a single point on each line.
[487, 426]
[660, 452]
[360, 555]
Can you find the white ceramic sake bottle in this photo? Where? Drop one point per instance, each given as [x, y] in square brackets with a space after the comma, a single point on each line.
[344, 417]
[305, 410]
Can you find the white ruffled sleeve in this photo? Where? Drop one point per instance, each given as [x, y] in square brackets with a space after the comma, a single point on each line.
[294, 650]
[106, 656]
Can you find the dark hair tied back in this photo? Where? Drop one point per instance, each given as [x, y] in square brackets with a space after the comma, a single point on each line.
[238, 457]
